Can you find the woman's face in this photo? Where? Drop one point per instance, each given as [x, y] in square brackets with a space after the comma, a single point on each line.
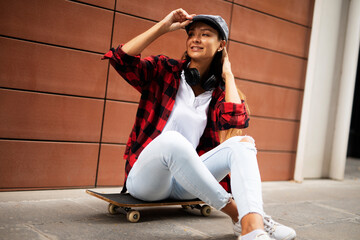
[203, 42]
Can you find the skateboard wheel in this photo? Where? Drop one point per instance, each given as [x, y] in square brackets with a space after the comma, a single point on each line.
[205, 210]
[133, 216]
[112, 209]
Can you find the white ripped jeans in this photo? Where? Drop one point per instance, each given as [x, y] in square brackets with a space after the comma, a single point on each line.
[169, 167]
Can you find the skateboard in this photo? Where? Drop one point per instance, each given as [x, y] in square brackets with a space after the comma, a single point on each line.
[125, 203]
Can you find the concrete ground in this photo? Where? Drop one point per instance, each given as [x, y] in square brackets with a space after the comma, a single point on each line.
[317, 209]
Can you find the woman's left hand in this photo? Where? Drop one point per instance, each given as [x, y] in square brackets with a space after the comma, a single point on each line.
[226, 69]
[231, 94]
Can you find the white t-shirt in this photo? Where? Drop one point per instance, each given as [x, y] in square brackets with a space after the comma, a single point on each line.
[189, 114]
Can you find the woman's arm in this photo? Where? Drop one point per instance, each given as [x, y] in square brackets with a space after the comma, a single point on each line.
[173, 21]
[232, 112]
[126, 58]
[231, 93]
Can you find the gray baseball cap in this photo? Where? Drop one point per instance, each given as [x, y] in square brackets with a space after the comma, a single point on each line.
[214, 21]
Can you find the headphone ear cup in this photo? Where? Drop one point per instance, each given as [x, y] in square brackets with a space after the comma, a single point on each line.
[192, 76]
[210, 83]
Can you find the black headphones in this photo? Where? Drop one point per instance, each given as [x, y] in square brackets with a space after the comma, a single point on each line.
[192, 77]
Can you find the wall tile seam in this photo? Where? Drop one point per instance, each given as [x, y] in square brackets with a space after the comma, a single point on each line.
[115, 143]
[110, 186]
[137, 16]
[92, 5]
[230, 24]
[126, 101]
[52, 45]
[51, 93]
[13, 189]
[135, 103]
[273, 118]
[104, 105]
[268, 49]
[149, 19]
[256, 116]
[124, 145]
[271, 15]
[275, 151]
[2, 139]
[122, 101]
[65, 94]
[233, 3]
[270, 84]
[82, 142]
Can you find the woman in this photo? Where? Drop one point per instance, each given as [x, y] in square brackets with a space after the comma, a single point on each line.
[173, 150]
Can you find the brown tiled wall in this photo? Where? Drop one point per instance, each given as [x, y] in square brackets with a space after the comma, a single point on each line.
[65, 116]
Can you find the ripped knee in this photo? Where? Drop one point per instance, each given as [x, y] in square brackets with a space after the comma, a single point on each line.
[248, 139]
[249, 143]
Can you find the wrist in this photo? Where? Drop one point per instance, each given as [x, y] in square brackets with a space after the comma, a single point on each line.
[162, 27]
[227, 75]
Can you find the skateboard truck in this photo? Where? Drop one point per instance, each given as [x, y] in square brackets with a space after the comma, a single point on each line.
[131, 215]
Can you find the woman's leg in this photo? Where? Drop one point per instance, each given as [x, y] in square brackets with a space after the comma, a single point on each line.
[245, 180]
[170, 160]
[238, 156]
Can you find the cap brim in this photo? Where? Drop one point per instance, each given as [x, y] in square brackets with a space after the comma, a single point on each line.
[209, 21]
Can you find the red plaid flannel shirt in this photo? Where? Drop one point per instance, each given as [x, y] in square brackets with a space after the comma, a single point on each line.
[157, 78]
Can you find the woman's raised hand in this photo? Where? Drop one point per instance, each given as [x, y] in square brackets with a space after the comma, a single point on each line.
[177, 19]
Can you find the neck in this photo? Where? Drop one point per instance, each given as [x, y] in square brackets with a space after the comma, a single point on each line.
[202, 67]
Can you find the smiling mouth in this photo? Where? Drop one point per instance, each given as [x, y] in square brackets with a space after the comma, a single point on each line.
[196, 48]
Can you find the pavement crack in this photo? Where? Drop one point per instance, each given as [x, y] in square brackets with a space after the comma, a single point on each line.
[193, 231]
[41, 233]
[334, 208]
[40, 201]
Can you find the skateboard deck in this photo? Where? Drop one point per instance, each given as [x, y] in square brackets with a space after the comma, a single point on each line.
[125, 203]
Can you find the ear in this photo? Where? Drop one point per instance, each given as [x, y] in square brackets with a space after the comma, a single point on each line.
[222, 45]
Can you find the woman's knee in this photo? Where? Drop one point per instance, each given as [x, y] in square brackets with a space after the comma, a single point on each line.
[248, 139]
[244, 144]
[241, 139]
[173, 141]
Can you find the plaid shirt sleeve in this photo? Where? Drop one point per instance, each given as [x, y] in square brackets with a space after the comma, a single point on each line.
[136, 71]
[222, 116]
[232, 115]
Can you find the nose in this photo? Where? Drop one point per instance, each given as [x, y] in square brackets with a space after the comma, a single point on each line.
[196, 38]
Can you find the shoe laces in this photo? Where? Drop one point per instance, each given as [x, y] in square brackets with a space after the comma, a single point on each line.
[263, 236]
[269, 225]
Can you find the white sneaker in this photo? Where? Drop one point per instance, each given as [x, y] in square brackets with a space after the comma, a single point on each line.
[274, 229]
[261, 236]
[277, 230]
